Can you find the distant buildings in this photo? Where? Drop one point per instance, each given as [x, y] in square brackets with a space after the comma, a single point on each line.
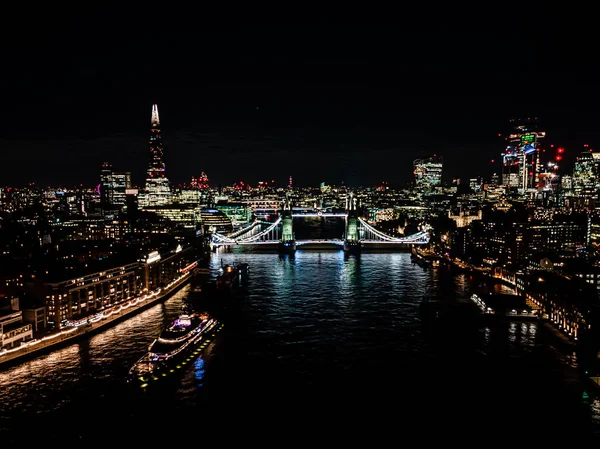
[464, 218]
[105, 241]
[521, 164]
[428, 173]
[113, 188]
[584, 182]
[13, 329]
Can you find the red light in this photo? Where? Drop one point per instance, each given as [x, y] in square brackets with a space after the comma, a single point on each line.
[561, 150]
[585, 145]
[552, 146]
[493, 161]
[499, 135]
[558, 158]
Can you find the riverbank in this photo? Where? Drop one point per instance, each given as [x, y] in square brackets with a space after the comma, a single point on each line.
[70, 335]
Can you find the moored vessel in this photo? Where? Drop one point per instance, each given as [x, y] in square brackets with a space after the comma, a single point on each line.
[178, 343]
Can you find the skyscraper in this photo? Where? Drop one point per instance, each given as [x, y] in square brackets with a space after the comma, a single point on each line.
[112, 187]
[585, 179]
[428, 173]
[158, 190]
[521, 158]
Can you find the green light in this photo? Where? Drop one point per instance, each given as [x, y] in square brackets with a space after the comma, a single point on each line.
[527, 138]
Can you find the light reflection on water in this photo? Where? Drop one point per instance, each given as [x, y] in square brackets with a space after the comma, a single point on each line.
[318, 325]
[45, 383]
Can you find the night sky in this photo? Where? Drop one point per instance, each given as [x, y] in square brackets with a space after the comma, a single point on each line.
[356, 108]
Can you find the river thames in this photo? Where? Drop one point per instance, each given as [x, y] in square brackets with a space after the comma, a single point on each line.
[318, 347]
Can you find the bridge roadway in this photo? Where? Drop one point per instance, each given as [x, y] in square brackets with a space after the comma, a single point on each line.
[336, 242]
[266, 236]
[312, 214]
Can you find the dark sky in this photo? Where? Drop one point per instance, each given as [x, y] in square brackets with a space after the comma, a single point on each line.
[354, 105]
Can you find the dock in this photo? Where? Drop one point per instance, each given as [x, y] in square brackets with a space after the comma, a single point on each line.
[509, 306]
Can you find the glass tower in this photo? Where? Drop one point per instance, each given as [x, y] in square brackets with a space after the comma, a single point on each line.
[428, 173]
[158, 190]
[521, 158]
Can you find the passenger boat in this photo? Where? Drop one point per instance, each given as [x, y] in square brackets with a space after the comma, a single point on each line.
[231, 275]
[168, 352]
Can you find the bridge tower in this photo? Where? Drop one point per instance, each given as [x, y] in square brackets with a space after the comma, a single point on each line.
[288, 242]
[351, 239]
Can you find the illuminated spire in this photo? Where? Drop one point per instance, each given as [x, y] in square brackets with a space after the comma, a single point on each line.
[155, 120]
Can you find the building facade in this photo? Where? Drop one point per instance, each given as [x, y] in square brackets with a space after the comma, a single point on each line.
[75, 299]
[158, 189]
[113, 187]
[13, 330]
[428, 173]
[521, 163]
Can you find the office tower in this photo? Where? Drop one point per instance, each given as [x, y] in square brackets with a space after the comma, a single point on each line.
[510, 167]
[596, 158]
[158, 190]
[132, 205]
[428, 173]
[585, 178]
[521, 158]
[113, 185]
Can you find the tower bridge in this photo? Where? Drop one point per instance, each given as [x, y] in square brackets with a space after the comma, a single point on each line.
[280, 233]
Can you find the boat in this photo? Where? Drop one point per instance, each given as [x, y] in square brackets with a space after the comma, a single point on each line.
[168, 352]
[229, 277]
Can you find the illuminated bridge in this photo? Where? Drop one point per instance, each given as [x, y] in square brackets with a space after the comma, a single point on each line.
[272, 233]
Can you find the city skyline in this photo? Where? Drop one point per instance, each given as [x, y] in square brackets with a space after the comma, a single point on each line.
[147, 295]
[356, 122]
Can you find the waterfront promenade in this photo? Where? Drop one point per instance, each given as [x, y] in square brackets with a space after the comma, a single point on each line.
[91, 324]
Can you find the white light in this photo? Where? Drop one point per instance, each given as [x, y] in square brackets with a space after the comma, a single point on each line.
[153, 257]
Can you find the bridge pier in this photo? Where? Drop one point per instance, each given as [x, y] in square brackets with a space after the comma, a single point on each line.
[352, 238]
[288, 241]
[287, 247]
